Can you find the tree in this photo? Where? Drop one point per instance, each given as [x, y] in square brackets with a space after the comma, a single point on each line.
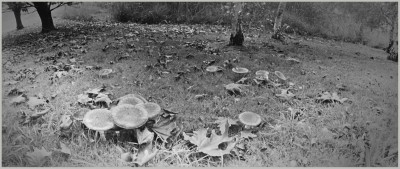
[17, 7]
[237, 36]
[278, 21]
[391, 16]
[44, 10]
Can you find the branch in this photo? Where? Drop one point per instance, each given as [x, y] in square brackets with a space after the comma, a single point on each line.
[29, 5]
[59, 5]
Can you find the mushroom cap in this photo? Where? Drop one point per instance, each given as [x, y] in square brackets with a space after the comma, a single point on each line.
[213, 69]
[133, 100]
[128, 116]
[240, 70]
[134, 95]
[105, 72]
[98, 119]
[153, 109]
[280, 75]
[262, 75]
[250, 118]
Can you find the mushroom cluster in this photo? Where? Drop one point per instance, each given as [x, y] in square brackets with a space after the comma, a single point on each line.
[131, 112]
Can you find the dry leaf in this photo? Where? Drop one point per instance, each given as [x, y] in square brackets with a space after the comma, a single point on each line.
[209, 145]
[327, 97]
[38, 157]
[247, 134]
[65, 122]
[84, 99]
[146, 154]
[60, 74]
[234, 88]
[144, 136]
[65, 149]
[18, 100]
[41, 113]
[34, 101]
[285, 94]
[103, 98]
[164, 126]
[126, 157]
[222, 123]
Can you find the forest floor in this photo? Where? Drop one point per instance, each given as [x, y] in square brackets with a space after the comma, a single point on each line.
[303, 124]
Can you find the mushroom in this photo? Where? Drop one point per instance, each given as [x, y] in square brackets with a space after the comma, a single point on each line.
[249, 119]
[105, 72]
[262, 75]
[153, 109]
[130, 99]
[280, 75]
[240, 72]
[129, 116]
[134, 95]
[213, 69]
[99, 120]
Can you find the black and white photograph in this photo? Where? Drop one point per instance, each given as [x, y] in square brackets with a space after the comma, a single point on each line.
[199, 84]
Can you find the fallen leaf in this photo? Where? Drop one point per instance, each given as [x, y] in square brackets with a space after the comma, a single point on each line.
[234, 88]
[41, 113]
[84, 99]
[103, 98]
[18, 100]
[144, 136]
[126, 157]
[209, 145]
[285, 94]
[146, 154]
[60, 74]
[38, 157]
[65, 122]
[327, 97]
[65, 149]
[247, 134]
[95, 91]
[34, 101]
[222, 123]
[164, 126]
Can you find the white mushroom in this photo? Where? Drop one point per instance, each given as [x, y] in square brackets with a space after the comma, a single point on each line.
[99, 120]
[213, 69]
[153, 109]
[249, 119]
[262, 75]
[134, 95]
[240, 70]
[280, 75]
[129, 116]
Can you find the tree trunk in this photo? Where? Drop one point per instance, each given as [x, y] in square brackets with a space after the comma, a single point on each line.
[393, 44]
[237, 36]
[43, 9]
[17, 14]
[278, 21]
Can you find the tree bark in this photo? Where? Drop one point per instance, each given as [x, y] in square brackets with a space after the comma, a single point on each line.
[278, 20]
[43, 9]
[237, 36]
[17, 14]
[393, 44]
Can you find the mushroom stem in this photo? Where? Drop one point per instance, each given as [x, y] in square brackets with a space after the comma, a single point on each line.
[102, 136]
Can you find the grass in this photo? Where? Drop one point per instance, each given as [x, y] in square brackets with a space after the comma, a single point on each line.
[314, 134]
